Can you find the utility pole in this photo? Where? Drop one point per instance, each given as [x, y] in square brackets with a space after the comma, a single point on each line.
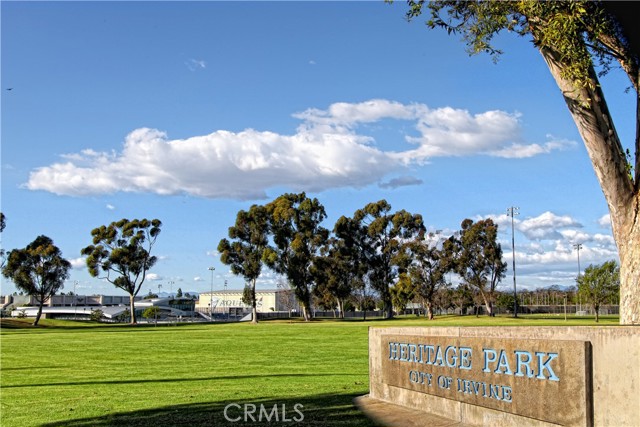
[511, 211]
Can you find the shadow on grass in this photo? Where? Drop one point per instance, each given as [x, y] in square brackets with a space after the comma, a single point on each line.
[170, 380]
[321, 410]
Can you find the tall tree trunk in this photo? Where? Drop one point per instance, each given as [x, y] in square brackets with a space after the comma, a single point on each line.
[254, 308]
[591, 115]
[132, 309]
[630, 273]
[306, 312]
[341, 307]
[39, 314]
[429, 310]
[487, 303]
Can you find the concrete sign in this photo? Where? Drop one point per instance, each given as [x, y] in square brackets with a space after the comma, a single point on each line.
[547, 380]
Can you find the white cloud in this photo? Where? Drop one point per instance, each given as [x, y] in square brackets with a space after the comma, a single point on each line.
[605, 221]
[325, 152]
[195, 64]
[154, 277]
[78, 263]
[110, 207]
[521, 150]
[546, 226]
[545, 252]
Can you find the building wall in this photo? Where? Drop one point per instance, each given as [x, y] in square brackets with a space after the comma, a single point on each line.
[266, 301]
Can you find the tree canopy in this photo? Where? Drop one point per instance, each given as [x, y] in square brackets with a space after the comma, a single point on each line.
[599, 283]
[295, 223]
[245, 252]
[39, 270]
[121, 254]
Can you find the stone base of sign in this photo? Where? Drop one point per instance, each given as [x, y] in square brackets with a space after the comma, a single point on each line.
[390, 415]
[610, 367]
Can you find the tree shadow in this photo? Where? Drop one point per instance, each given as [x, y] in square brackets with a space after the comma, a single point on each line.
[165, 380]
[321, 410]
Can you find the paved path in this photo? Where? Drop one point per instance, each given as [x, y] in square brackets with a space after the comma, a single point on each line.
[391, 415]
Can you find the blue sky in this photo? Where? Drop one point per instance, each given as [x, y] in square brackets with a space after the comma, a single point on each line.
[191, 111]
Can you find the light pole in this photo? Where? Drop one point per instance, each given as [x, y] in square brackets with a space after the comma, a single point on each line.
[171, 282]
[511, 211]
[211, 295]
[578, 246]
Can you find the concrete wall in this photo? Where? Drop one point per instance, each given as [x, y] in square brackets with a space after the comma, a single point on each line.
[615, 375]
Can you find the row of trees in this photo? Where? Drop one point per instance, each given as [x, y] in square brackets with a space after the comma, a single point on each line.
[376, 249]
[374, 252]
[120, 254]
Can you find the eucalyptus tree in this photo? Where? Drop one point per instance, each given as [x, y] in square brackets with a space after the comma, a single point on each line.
[295, 227]
[428, 270]
[121, 254]
[335, 272]
[385, 235]
[478, 258]
[599, 283]
[575, 38]
[244, 253]
[355, 248]
[39, 270]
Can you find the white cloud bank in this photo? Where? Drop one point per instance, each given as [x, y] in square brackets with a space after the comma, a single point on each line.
[325, 152]
[545, 249]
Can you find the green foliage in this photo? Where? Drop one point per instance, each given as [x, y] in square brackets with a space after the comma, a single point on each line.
[478, 258]
[2, 252]
[599, 283]
[39, 270]
[121, 254]
[580, 31]
[402, 292]
[179, 293]
[96, 315]
[245, 252]
[248, 295]
[381, 236]
[505, 300]
[336, 272]
[294, 221]
[151, 312]
[428, 270]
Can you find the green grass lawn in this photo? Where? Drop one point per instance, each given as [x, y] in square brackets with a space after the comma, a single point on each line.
[86, 374]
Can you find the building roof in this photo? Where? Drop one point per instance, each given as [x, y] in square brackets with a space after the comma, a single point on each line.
[239, 291]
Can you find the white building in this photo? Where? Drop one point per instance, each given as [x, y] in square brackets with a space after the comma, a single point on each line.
[229, 302]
